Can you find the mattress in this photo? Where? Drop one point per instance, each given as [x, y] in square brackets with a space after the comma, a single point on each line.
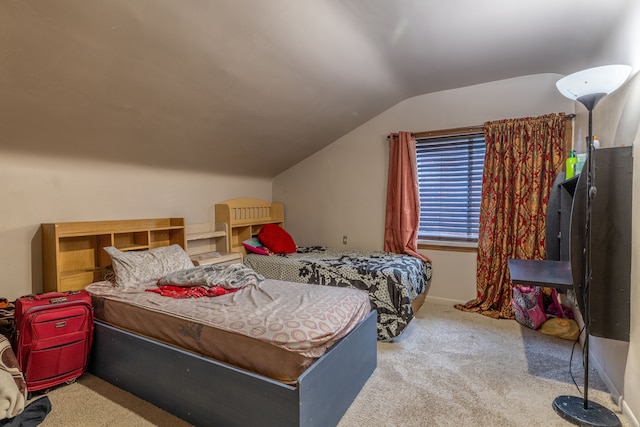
[274, 328]
[393, 281]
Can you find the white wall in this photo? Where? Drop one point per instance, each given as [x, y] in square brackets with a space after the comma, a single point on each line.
[35, 190]
[341, 190]
[617, 122]
[632, 373]
[617, 119]
[454, 276]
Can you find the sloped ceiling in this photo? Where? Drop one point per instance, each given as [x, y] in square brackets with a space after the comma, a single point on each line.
[255, 86]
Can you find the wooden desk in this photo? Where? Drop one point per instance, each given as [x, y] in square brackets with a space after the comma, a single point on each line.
[551, 274]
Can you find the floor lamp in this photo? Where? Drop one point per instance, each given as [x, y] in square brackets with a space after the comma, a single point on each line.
[588, 87]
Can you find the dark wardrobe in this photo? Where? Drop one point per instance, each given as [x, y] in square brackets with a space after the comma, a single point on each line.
[609, 296]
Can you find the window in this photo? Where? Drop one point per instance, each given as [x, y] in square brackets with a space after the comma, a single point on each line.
[450, 182]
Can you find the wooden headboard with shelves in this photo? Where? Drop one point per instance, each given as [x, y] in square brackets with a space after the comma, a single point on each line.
[73, 255]
[245, 216]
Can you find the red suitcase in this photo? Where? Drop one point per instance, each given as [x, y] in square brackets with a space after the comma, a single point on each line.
[53, 337]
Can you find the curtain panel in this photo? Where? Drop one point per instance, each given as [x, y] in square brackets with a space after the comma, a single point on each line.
[522, 160]
[403, 201]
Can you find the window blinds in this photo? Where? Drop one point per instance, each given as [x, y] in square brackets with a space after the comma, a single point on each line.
[450, 181]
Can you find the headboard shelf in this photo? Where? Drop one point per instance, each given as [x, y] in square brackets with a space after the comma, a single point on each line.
[205, 231]
[73, 255]
[245, 216]
[206, 238]
[93, 228]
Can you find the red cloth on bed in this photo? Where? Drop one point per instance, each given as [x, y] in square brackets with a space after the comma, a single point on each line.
[191, 291]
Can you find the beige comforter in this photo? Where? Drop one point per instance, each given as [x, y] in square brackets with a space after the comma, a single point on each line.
[301, 318]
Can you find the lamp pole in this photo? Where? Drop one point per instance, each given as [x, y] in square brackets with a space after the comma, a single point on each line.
[591, 192]
[588, 87]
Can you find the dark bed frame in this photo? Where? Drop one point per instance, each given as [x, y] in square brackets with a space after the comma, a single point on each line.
[205, 392]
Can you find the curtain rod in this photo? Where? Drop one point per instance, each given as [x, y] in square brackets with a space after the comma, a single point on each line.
[463, 130]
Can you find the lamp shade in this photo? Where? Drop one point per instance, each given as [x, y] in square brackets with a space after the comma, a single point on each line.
[589, 86]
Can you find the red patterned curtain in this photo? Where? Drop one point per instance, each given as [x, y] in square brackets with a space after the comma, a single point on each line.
[522, 160]
[403, 202]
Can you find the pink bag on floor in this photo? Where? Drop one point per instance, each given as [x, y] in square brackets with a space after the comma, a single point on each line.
[528, 303]
[555, 309]
[528, 307]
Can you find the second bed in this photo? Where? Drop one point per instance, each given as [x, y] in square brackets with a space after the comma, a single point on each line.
[397, 284]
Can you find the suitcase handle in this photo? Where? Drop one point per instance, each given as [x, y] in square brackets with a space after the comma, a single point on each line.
[56, 297]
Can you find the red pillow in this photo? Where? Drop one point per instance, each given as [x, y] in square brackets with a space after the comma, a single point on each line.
[276, 239]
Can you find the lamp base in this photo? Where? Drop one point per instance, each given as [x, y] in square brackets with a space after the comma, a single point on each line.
[571, 408]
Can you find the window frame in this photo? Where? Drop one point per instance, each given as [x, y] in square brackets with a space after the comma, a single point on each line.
[449, 243]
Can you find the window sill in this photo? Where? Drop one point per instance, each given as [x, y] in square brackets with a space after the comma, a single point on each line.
[441, 245]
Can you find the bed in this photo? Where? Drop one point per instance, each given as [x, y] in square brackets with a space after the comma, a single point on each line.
[158, 348]
[397, 284]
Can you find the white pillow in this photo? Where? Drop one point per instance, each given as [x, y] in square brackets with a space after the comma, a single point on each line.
[134, 268]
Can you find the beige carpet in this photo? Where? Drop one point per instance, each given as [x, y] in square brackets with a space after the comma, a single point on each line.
[450, 368]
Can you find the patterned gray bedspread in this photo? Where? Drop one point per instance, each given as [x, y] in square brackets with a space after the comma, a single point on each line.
[393, 281]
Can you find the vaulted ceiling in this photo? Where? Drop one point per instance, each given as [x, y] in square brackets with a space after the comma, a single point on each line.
[255, 86]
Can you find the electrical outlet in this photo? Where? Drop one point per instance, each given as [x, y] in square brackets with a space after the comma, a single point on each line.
[344, 239]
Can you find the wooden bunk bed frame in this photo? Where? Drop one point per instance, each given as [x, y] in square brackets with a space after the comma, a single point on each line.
[200, 390]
